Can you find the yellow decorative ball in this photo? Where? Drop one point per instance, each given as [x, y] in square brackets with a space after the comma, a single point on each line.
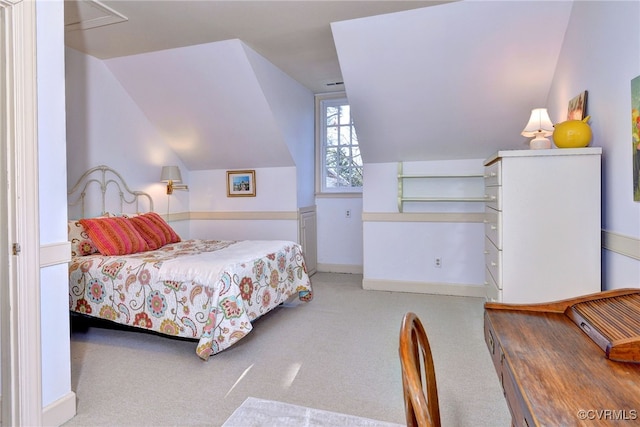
[572, 133]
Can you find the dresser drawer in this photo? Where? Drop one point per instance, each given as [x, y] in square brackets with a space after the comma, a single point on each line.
[493, 293]
[492, 195]
[492, 259]
[520, 416]
[492, 175]
[493, 226]
[494, 346]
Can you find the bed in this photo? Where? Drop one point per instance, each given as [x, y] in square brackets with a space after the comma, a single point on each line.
[134, 270]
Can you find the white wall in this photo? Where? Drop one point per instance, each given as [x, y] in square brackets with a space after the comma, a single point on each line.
[340, 243]
[400, 250]
[56, 359]
[601, 55]
[105, 127]
[271, 214]
[294, 114]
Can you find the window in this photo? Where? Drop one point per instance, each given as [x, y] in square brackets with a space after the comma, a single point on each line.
[338, 163]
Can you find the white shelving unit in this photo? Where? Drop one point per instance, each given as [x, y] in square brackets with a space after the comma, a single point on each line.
[440, 188]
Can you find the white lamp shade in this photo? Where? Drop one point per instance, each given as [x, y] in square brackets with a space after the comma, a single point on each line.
[170, 173]
[539, 124]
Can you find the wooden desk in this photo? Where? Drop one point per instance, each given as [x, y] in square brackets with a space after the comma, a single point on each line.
[553, 374]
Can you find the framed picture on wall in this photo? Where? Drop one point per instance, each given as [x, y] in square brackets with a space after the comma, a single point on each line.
[635, 136]
[578, 107]
[241, 183]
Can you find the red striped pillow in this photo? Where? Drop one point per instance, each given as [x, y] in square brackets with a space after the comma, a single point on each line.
[170, 235]
[150, 231]
[114, 236]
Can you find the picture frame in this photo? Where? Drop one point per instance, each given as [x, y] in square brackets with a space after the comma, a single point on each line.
[577, 109]
[635, 136]
[241, 183]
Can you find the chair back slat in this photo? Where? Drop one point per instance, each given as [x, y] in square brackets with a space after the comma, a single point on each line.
[418, 375]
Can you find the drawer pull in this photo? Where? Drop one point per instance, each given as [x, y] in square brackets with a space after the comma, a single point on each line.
[486, 252]
[493, 227]
[493, 264]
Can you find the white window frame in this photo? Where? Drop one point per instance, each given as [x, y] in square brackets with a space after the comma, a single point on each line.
[321, 100]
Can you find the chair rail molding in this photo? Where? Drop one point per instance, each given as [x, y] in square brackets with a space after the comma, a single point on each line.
[621, 244]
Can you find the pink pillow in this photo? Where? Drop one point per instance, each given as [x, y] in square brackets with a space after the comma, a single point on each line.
[169, 233]
[114, 236]
[150, 232]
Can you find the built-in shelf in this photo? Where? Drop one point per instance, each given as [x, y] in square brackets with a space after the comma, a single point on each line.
[461, 179]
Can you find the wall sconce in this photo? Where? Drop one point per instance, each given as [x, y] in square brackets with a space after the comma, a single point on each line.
[540, 127]
[171, 175]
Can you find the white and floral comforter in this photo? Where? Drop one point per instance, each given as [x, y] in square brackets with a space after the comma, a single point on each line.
[209, 290]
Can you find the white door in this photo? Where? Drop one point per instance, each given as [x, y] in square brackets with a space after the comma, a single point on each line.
[19, 239]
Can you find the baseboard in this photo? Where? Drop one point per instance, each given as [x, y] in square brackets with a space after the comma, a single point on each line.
[453, 289]
[339, 268]
[60, 411]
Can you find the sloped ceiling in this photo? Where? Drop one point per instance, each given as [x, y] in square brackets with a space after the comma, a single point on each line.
[295, 35]
[453, 81]
[207, 103]
[448, 81]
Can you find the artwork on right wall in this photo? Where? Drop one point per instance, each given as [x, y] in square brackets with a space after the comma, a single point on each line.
[635, 136]
[578, 107]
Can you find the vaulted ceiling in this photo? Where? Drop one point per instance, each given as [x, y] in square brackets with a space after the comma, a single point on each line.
[426, 80]
[294, 35]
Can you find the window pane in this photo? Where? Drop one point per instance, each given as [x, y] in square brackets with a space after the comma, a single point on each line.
[345, 135]
[331, 158]
[332, 135]
[345, 115]
[355, 155]
[343, 178]
[340, 161]
[357, 177]
[332, 116]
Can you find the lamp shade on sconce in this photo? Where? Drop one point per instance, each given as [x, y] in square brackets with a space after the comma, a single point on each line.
[539, 126]
[170, 173]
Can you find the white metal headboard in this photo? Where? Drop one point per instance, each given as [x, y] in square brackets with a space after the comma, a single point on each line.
[104, 176]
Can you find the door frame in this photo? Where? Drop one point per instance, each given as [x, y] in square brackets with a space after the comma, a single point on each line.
[19, 205]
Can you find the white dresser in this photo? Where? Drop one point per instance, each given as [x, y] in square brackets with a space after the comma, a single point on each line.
[543, 224]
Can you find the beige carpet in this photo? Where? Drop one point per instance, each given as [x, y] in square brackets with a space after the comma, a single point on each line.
[338, 353]
[267, 413]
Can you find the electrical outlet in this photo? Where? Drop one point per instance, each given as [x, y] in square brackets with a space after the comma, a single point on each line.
[437, 262]
[347, 213]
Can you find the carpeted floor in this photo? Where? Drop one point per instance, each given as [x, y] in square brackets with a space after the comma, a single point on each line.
[338, 353]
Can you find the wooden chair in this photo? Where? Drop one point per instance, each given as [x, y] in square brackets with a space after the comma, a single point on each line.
[418, 375]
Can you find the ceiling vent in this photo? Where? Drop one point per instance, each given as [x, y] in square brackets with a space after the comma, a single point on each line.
[86, 14]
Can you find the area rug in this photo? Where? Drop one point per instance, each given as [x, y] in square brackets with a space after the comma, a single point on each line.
[268, 413]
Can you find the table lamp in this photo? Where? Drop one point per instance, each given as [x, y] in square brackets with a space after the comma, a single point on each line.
[540, 127]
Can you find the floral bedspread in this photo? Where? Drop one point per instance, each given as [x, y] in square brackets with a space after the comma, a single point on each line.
[217, 309]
